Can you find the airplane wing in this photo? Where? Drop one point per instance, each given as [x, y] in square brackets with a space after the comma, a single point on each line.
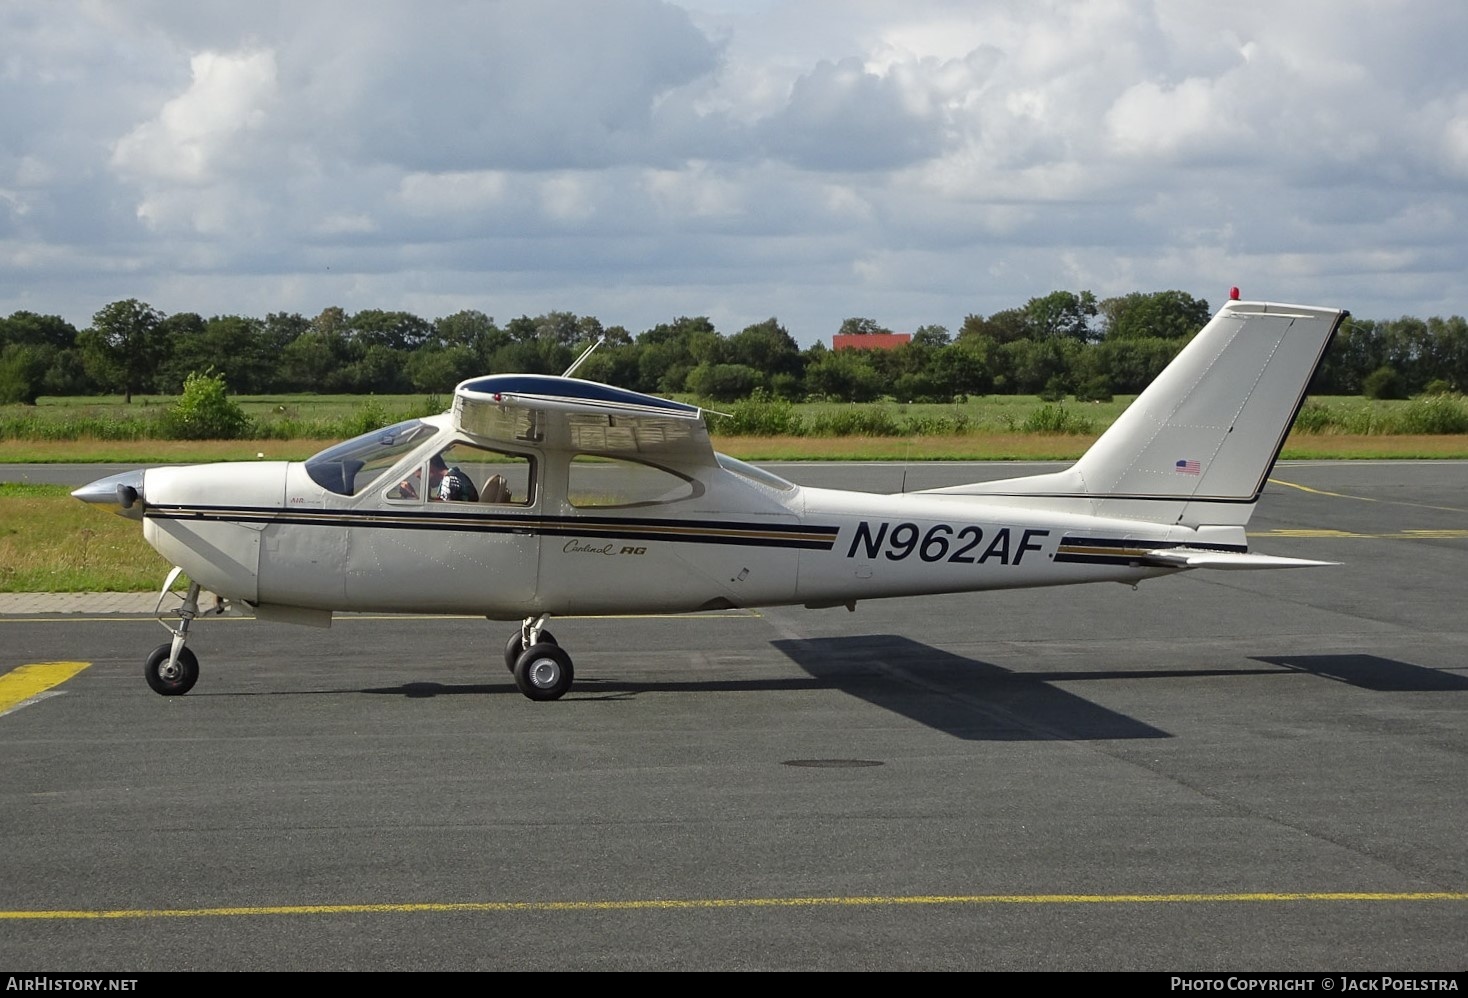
[569, 413]
[1192, 558]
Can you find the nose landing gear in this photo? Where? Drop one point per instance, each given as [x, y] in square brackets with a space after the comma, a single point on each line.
[172, 670]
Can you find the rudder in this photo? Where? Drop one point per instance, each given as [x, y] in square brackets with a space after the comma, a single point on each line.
[1212, 424]
[1198, 444]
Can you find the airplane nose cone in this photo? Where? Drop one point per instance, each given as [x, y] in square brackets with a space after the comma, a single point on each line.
[123, 493]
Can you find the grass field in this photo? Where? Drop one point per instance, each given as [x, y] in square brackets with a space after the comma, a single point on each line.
[49, 542]
[978, 446]
[995, 426]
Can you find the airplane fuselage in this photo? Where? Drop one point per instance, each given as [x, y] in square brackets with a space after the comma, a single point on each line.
[267, 534]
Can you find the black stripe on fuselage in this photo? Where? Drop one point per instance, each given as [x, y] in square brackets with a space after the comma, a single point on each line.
[780, 535]
[1124, 551]
[1126, 496]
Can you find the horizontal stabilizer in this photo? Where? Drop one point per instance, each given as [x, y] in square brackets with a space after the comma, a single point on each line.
[1234, 560]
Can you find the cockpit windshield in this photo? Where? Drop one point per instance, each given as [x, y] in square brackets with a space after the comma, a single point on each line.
[349, 468]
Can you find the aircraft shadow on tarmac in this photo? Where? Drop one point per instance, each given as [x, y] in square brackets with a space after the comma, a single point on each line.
[597, 688]
[968, 699]
[960, 696]
[986, 702]
[1371, 672]
[964, 698]
[971, 699]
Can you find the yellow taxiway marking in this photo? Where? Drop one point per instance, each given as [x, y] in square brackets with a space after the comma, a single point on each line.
[707, 903]
[1395, 535]
[1342, 495]
[347, 615]
[21, 684]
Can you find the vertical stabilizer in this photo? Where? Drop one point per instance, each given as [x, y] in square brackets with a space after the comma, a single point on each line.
[1197, 446]
[1213, 423]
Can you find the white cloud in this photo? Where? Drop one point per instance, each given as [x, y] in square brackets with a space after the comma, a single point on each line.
[1454, 140]
[451, 193]
[192, 137]
[346, 224]
[567, 197]
[810, 159]
[692, 192]
[1194, 117]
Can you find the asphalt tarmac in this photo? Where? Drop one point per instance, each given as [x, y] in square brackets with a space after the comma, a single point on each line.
[1219, 771]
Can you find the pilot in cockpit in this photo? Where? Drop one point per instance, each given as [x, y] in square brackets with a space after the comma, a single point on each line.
[444, 483]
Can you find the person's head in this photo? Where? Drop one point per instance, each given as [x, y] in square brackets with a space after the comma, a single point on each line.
[436, 468]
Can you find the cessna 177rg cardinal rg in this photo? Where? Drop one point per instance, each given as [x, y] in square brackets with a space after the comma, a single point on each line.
[574, 497]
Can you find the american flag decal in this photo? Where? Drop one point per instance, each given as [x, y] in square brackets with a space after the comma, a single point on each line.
[1188, 467]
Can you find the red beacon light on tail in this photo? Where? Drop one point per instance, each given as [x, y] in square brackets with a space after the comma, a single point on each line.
[1233, 294]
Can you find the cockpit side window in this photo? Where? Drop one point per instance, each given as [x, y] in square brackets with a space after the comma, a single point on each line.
[464, 472]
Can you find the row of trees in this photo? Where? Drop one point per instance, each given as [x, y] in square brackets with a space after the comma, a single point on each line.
[1063, 343]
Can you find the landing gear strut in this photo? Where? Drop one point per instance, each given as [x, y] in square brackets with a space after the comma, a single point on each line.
[172, 670]
[541, 669]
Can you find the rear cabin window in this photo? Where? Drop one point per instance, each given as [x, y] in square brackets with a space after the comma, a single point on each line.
[611, 482]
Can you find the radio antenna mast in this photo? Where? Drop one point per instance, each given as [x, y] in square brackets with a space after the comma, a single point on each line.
[584, 354]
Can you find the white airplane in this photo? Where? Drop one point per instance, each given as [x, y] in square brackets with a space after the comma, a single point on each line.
[565, 496]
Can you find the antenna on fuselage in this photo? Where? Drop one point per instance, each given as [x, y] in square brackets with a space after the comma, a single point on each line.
[584, 354]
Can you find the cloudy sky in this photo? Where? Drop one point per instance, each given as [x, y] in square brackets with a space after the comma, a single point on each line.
[908, 161]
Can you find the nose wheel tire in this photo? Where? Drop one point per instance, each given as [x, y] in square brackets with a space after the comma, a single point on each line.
[513, 647]
[543, 672]
[175, 681]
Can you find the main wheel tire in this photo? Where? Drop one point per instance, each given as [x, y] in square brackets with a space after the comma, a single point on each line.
[513, 648]
[543, 672]
[171, 683]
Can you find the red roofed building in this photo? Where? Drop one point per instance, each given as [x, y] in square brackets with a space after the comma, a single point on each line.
[869, 341]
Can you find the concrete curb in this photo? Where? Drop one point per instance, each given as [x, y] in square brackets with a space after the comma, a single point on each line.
[34, 604]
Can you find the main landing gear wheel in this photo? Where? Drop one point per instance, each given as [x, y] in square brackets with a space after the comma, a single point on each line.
[516, 645]
[543, 672]
[175, 680]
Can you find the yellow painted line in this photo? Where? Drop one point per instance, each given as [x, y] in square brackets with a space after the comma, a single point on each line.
[744, 614]
[1287, 532]
[345, 615]
[1342, 495]
[140, 617]
[1319, 492]
[709, 903]
[143, 616]
[27, 681]
[1398, 535]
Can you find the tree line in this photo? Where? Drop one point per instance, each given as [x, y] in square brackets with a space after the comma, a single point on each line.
[1064, 343]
